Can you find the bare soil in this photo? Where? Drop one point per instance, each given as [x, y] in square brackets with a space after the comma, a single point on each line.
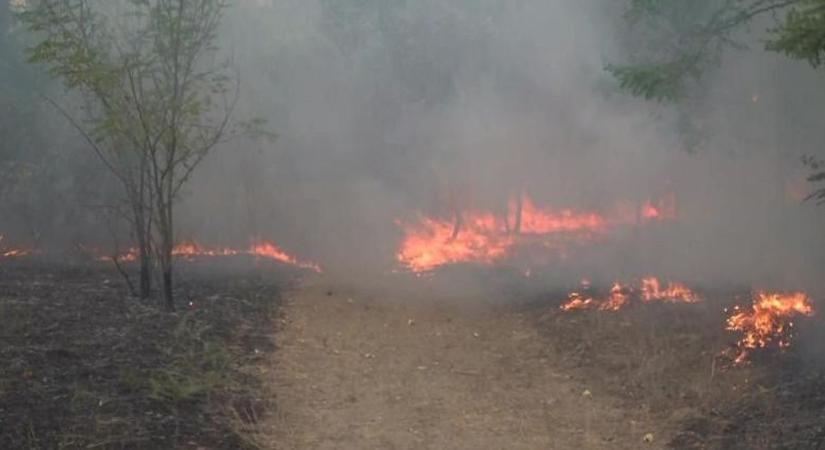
[359, 371]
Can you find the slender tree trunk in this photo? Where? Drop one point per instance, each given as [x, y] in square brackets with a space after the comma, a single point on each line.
[166, 270]
[167, 287]
[124, 274]
[145, 231]
[145, 270]
[459, 223]
[165, 227]
[143, 234]
[519, 208]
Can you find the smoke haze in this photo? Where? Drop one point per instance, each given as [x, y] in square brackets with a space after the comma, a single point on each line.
[386, 109]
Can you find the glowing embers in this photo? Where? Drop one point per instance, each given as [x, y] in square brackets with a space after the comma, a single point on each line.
[260, 249]
[191, 249]
[615, 299]
[649, 289]
[663, 209]
[265, 249]
[768, 321]
[12, 252]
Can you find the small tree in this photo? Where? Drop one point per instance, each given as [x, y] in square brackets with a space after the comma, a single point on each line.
[157, 100]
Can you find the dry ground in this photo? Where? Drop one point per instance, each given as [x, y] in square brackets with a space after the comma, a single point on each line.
[82, 365]
[358, 371]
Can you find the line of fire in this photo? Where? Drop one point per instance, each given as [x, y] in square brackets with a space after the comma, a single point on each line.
[484, 238]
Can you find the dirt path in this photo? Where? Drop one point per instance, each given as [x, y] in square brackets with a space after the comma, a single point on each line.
[353, 372]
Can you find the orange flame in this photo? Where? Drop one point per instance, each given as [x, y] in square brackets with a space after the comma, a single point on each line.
[190, 250]
[617, 299]
[431, 243]
[269, 250]
[538, 221]
[576, 301]
[12, 252]
[483, 239]
[768, 321]
[620, 295]
[665, 208]
[651, 290]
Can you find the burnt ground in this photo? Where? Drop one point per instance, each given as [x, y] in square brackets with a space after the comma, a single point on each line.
[83, 365]
[267, 358]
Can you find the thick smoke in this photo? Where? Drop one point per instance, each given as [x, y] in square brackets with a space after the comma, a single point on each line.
[384, 109]
[388, 109]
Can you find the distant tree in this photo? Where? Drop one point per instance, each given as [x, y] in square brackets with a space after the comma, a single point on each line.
[156, 99]
[676, 41]
[23, 168]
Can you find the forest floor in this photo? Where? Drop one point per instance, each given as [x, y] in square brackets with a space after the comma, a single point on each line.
[84, 365]
[268, 358]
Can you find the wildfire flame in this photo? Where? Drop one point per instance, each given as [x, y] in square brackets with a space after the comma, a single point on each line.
[576, 301]
[617, 298]
[651, 290]
[665, 208]
[269, 250]
[191, 250]
[484, 238]
[768, 321]
[538, 221]
[432, 243]
[15, 252]
[620, 295]
[12, 252]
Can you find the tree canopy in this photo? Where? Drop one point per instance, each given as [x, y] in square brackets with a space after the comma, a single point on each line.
[680, 39]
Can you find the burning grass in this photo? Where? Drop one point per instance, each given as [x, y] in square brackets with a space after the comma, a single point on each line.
[187, 250]
[648, 289]
[481, 237]
[665, 360]
[86, 367]
[768, 321]
[259, 249]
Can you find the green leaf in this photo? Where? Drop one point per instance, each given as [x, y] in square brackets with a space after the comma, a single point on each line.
[662, 82]
[802, 35]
